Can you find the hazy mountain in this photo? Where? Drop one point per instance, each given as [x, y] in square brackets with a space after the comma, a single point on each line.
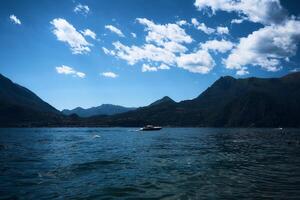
[19, 105]
[262, 102]
[104, 109]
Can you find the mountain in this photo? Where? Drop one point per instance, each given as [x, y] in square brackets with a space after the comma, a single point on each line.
[104, 109]
[165, 99]
[229, 102]
[20, 106]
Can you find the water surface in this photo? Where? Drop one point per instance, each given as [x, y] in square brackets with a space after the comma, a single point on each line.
[174, 163]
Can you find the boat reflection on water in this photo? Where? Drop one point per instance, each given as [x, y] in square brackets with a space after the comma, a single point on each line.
[150, 128]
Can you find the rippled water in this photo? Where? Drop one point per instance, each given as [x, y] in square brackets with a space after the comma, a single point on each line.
[174, 163]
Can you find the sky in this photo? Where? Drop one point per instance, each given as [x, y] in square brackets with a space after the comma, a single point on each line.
[85, 53]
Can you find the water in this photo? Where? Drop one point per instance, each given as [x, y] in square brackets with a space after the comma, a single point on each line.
[174, 163]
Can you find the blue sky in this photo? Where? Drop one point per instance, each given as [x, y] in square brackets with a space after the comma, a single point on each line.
[131, 53]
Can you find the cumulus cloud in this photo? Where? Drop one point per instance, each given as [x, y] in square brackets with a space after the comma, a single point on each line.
[82, 9]
[15, 20]
[114, 30]
[69, 71]
[88, 32]
[174, 47]
[163, 67]
[165, 47]
[237, 21]
[202, 26]
[167, 44]
[222, 30]
[182, 22]
[262, 11]
[266, 47]
[148, 68]
[221, 46]
[198, 62]
[66, 32]
[242, 71]
[161, 33]
[109, 74]
[147, 52]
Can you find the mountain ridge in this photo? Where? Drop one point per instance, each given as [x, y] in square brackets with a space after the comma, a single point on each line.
[228, 102]
[18, 105]
[258, 102]
[103, 109]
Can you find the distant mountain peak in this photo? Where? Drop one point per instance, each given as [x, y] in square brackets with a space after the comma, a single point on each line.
[103, 109]
[165, 99]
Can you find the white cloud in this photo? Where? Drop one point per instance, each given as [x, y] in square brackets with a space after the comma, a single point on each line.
[80, 74]
[15, 20]
[163, 67]
[221, 46]
[164, 47]
[106, 51]
[266, 47]
[147, 52]
[241, 72]
[109, 74]
[161, 33]
[174, 47]
[83, 9]
[237, 21]
[202, 26]
[205, 29]
[88, 32]
[114, 30]
[133, 35]
[262, 11]
[69, 71]
[147, 68]
[182, 22]
[66, 32]
[195, 22]
[222, 30]
[167, 50]
[208, 30]
[198, 62]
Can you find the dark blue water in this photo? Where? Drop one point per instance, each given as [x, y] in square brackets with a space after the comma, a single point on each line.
[174, 163]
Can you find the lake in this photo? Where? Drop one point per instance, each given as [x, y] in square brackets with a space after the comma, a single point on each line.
[174, 163]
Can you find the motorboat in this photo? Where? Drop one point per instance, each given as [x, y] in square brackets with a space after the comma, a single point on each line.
[150, 128]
